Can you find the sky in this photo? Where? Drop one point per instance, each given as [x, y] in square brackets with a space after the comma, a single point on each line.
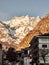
[33, 8]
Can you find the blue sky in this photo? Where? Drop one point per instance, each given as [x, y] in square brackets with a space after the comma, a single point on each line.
[10, 8]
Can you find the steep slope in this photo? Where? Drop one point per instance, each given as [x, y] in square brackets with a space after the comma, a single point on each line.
[43, 25]
[23, 25]
[14, 31]
[41, 28]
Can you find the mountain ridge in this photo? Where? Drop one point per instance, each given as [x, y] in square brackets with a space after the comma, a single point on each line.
[15, 30]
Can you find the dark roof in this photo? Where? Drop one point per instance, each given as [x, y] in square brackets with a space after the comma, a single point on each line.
[46, 34]
[43, 35]
[39, 36]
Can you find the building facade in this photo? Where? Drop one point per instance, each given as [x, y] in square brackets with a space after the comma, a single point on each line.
[43, 49]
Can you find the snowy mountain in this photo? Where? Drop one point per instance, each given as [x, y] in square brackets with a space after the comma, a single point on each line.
[14, 30]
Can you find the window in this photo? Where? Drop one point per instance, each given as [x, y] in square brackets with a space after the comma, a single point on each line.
[44, 46]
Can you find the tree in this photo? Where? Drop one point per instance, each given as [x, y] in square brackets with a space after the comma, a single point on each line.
[11, 54]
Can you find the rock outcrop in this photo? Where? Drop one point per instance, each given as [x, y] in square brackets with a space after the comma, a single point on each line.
[15, 31]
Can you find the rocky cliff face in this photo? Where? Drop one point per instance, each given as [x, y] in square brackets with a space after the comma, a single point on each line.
[15, 30]
[42, 27]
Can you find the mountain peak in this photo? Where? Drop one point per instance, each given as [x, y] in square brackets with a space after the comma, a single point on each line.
[17, 28]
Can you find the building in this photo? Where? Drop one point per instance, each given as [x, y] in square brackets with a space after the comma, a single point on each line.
[40, 49]
[43, 49]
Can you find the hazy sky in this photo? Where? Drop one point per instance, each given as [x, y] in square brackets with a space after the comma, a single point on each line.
[10, 8]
